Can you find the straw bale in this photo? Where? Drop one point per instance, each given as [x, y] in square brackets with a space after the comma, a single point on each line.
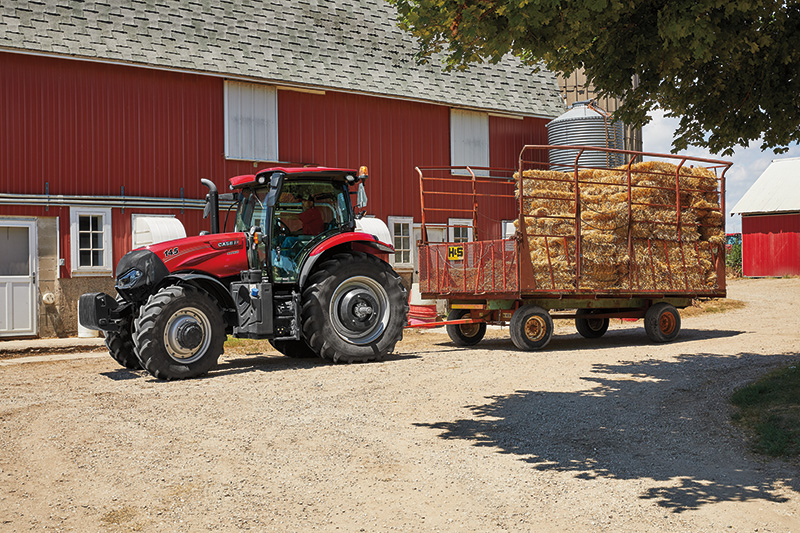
[656, 260]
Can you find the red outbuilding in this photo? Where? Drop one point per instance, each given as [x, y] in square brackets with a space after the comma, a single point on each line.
[111, 113]
[771, 221]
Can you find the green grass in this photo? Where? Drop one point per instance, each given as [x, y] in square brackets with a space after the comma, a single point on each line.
[770, 410]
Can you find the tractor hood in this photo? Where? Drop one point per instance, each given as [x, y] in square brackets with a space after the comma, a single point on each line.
[220, 254]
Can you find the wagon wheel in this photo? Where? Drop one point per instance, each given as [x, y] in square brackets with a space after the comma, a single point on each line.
[590, 327]
[662, 322]
[464, 334]
[531, 328]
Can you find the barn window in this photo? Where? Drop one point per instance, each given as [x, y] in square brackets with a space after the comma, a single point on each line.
[251, 121]
[469, 139]
[90, 242]
[459, 229]
[401, 229]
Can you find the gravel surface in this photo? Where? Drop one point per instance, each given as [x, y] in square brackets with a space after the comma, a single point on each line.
[612, 434]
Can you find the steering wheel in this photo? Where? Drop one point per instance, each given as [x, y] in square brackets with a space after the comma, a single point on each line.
[283, 229]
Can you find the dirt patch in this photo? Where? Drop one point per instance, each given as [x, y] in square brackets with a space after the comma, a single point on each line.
[611, 434]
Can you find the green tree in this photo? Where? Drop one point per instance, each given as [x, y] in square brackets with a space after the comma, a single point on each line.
[729, 69]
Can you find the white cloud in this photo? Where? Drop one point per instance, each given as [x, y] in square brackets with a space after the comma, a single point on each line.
[748, 162]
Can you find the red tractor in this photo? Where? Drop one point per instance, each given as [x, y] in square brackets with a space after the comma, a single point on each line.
[298, 270]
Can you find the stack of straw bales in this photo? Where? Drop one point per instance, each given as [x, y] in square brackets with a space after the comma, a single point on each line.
[634, 243]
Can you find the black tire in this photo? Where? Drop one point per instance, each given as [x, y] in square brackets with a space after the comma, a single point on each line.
[464, 334]
[662, 322]
[179, 333]
[531, 328]
[591, 328]
[354, 309]
[297, 349]
[120, 344]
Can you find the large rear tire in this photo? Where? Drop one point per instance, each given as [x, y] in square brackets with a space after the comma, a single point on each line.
[120, 345]
[464, 334]
[298, 349]
[354, 309]
[179, 333]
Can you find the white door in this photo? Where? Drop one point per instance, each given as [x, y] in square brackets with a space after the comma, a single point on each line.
[18, 301]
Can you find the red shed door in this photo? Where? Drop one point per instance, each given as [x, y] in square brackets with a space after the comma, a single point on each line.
[17, 278]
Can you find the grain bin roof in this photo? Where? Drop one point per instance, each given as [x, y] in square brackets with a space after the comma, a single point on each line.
[349, 45]
[777, 190]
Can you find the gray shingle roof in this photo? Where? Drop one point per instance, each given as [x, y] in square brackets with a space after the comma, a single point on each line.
[351, 45]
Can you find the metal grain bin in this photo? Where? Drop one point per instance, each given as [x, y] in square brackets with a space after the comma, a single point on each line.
[584, 124]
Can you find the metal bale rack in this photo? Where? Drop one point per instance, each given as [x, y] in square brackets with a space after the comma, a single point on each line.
[637, 241]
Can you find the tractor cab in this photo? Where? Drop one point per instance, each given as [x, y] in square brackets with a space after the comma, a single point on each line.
[289, 212]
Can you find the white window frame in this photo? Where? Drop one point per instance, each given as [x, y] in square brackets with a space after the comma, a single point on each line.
[469, 140]
[76, 269]
[251, 121]
[390, 221]
[451, 230]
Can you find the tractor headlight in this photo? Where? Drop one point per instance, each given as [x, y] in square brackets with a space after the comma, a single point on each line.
[129, 278]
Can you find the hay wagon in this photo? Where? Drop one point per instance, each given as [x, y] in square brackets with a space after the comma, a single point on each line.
[616, 234]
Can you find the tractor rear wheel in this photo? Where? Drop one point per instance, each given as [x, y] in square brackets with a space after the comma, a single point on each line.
[179, 333]
[120, 344]
[354, 309]
[298, 349]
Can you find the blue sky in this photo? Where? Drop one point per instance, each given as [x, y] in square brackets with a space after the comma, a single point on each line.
[748, 162]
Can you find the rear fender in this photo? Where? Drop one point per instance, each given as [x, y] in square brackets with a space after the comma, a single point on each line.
[340, 243]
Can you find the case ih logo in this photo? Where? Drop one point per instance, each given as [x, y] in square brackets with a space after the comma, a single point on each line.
[226, 244]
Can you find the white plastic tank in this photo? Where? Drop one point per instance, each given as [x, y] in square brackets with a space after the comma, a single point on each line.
[585, 124]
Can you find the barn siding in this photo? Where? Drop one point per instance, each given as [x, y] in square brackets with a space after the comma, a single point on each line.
[82, 128]
[771, 245]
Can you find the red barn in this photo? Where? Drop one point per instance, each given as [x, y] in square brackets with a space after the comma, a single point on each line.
[770, 212]
[110, 113]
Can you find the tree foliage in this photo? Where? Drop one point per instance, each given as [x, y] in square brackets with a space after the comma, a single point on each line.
[728, 69]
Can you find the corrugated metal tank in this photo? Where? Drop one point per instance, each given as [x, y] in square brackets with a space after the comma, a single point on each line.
[584, 124]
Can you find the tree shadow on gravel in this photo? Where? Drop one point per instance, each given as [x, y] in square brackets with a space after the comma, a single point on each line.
[615, 338]
[662, 421]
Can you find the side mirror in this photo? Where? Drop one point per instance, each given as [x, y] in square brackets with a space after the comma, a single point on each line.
[361, 199]
[275, 182]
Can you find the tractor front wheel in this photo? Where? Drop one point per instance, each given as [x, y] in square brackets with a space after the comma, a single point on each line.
[354, 309]
[179, 333]
[120, 344]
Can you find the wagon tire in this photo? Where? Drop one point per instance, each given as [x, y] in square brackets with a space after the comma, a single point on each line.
[531, 328]
[588, 327]
[298, 349]
[354, 309]
[662, 322]
[120, 344]
[179, 333]
[464, 334]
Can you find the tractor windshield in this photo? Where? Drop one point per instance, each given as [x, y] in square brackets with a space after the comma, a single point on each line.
[252, 209]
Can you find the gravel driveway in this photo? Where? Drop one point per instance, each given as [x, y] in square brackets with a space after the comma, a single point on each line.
[613, 434]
